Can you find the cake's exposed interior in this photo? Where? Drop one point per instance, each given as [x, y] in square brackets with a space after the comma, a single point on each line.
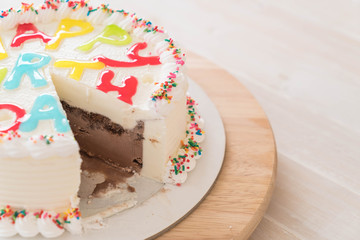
[106, 148]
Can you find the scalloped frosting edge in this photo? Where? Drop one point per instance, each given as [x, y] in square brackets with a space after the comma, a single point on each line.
[190, 149]
[29, 223]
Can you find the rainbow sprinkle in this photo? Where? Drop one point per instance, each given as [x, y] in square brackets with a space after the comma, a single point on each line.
[137, 23]
[179, 162]
[5, 13]
[77, 4]
[191, 147]
[6, 212]
[38, 214]
[27, 7]
[91, 10]
[59, 219]
[9, 136]
[48, 139]
[49, 5]
[166, 87]
[72, 213]
[147, 25]
[162, 92]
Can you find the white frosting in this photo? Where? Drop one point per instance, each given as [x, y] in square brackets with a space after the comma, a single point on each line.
[162, 139]
[75, 226]
[63, 11]
[175, 178]
[26, 17]
[7, 228]
[9, 21]
[48, 183]
[99, 16]
[192, 132]
[195, 132]
[49, 224]
[27, 226]
[189, 165]
[47, 227]
[36, 147]
[46, 15]
[79, 14]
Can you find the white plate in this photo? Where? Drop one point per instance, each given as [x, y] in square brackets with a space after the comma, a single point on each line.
[172, 204]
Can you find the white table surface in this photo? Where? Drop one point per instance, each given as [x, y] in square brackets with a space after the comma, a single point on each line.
[301, 60]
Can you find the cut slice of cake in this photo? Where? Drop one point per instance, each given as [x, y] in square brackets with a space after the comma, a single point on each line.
[40, 158]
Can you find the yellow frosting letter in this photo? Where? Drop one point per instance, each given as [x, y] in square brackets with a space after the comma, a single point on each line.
[64, 31]
[112, 34]
[3, 53]
[78, 67]
[3, 72]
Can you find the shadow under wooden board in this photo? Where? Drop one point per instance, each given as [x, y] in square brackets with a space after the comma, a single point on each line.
[242, 192]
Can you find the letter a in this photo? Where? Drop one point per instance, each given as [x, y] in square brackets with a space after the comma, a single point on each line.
[46, 107]
[25, 65]
[22, 34]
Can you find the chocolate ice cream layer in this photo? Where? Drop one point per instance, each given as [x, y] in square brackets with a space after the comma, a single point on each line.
[101, 139]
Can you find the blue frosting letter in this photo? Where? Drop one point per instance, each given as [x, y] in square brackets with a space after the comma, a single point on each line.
[27, 64]
[46, 107]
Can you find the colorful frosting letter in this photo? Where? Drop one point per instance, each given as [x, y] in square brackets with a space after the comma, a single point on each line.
[20, 112]
[46, 107]
[133, 55]
[126, 92]
[25, 65]
[123, 38]
[3, 53]
[3, 72]
[22, 34]
[64, 31]
[78, 67]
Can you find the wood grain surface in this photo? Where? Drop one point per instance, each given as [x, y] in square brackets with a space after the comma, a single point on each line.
[243, 189]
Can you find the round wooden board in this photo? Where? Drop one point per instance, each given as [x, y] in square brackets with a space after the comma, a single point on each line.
[242, 192]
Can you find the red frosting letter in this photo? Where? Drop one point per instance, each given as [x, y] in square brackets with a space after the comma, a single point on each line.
[22, 34]
[133, 55]
[125, 92]
[20, 112]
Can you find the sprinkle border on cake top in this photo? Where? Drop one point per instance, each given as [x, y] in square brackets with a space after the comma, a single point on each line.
[164, 90]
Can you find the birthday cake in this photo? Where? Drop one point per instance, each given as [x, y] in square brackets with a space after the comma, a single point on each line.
[86, 91]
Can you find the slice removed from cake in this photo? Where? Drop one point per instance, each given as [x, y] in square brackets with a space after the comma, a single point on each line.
[40, 158]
